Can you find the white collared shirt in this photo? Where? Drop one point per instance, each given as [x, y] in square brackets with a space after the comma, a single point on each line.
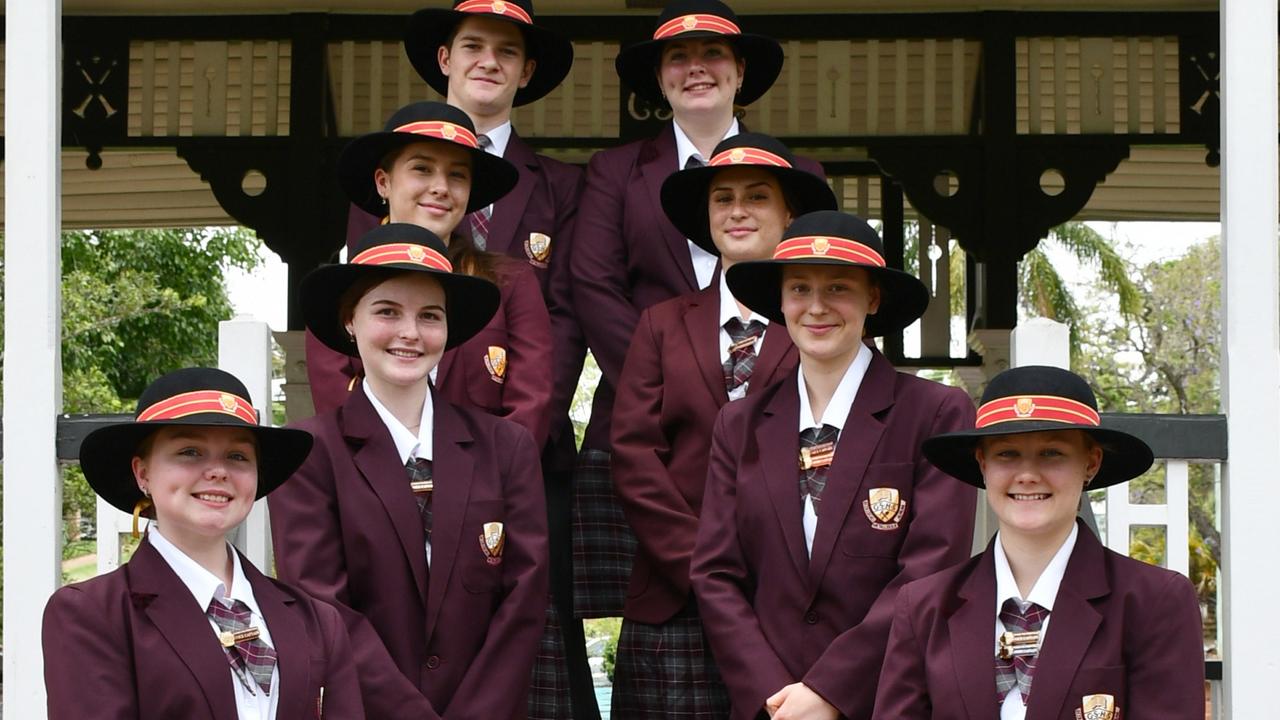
[408, 445]
[729, 309]
[1043, 593]
[251, 704]
[704, 263]
[835, 415]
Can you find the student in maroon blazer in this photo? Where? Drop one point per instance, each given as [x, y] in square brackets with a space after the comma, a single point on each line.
[138, 642]
[1107, 637]
[681, 369]
[796, 570]
[421, 520]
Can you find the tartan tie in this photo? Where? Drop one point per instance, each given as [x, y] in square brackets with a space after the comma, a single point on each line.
[478, 221]
[420, 472]
[742, 351]
[1017, 671]
[693, 162]
[253, 657]
[813, 479]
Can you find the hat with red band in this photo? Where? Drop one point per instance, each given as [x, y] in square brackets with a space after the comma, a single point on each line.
[1038, 398]
[491, 176]
[191, 397]
[389, 249]
[828, 237]
[692, 19]
[430, 28]
[685, 193]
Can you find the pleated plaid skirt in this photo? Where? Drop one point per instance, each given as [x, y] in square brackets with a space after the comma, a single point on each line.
[667, 671]
[603, 544]
[549, 694]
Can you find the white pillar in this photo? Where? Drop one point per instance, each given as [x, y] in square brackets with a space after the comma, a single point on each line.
[32, 341]
[244, 350]
[1041, 341]
[1250, 355]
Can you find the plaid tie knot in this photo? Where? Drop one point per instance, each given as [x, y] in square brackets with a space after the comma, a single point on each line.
[742, 351]
[478, 221]
[419, 471]
[817, 451]
[249, 658]
[693, 162]
[1018, 670]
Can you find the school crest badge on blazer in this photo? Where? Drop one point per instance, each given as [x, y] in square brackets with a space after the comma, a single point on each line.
[538, 248]
[491, 542]
[885, 508]
[495, 361]
[1099, 706]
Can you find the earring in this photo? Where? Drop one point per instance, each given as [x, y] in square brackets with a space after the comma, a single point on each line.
[384, 199]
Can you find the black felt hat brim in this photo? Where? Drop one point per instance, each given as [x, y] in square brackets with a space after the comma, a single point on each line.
[1124, 456]
[491, 176]
[106, 455]
[430, 28]
[637, 64]
[903, 298]
[470, 302]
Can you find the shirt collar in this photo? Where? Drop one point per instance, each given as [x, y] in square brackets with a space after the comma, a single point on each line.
[842, 400]
[1045, 590]
[204, 585]
[498, 138]
[729, 306]
[685, 148]
[407, 444]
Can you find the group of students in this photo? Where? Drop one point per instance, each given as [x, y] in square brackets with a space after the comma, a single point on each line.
[800, 513]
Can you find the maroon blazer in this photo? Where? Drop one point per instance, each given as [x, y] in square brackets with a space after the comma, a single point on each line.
[775, 616]
[627, 256]
[1119, 626]
[134, 643]
[672, 388]
[456, 640]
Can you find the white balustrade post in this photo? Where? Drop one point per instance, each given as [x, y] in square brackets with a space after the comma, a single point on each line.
[244, 350]
[1250, 355]
[32, 343]
[1040, 341]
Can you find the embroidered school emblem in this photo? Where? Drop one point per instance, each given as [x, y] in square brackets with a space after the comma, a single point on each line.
[495, 361]
[227, 401]
[449, 132]
[690, 22]
[1024, 406]
[491, 542]
[538, 248]
[738, 155]
[885, 508]
[1099, 706]
[417, 253]
[821, 245]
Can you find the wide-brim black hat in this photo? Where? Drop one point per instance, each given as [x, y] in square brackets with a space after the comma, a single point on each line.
[198, 397]
[491, 176]
[835, 238]
[430, 28]
[685, 193]
[637, 64]
[470, 302]
[1039, 398]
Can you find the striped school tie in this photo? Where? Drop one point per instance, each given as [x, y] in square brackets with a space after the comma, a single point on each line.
[251, 657]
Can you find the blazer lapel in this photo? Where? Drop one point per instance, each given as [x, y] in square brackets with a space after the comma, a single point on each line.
[290, 639]
[775, 352]
[183, 623]
[701, 323]
[451, 469]
[657, 161]
[857, 443]
[378, 460]
[1072, 625]
[509, 209]
[778, 443]
[973, 632]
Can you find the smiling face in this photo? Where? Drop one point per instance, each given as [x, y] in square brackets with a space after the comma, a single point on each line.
[202, 481]
[700, 75]
[400, 330]
[748, 213]
[1034, 480]
[826, 307]
[427, 184]
[486, 65]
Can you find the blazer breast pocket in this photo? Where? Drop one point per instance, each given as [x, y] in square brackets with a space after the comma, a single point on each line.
[483, 546]
[878, 520]
[1095, 691]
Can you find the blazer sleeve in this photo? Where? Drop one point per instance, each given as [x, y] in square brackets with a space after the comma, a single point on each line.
[722, 585]
[87, 667]
[341, 681]
[570, 346]
[1165, 663]
[903, 692]
[664, 523]
[526, 391]
[601, 290]
[307, 535]
[515, 628]
[940, 535]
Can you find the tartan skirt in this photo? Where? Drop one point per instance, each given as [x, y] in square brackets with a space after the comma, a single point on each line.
[603, 544]
[549, 694]
[667, 671]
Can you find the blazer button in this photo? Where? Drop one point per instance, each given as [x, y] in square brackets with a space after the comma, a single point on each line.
[433, 662]
[811, 617]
